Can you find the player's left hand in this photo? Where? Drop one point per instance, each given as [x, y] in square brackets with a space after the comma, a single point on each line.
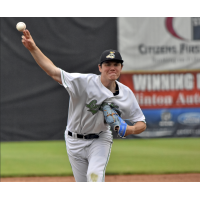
[116, 123]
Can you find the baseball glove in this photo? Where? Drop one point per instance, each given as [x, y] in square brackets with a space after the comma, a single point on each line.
[114, 120]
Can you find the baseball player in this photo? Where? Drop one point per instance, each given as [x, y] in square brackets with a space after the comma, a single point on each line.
[97, 104]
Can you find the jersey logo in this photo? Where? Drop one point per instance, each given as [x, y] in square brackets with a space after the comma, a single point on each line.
[93, 107]
[111, 55]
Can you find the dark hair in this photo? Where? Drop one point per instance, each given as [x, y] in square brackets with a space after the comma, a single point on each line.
[117, 61]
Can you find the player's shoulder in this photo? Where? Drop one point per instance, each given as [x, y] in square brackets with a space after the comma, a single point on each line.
[121, 85]
[79, 75]
[83, 75]
[89, 77]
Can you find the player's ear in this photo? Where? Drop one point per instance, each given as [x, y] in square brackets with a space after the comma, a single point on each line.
[100, 67]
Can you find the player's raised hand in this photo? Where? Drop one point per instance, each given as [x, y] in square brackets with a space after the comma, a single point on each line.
[28, 41]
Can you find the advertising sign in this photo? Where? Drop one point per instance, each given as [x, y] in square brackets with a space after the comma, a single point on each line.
[162, 68]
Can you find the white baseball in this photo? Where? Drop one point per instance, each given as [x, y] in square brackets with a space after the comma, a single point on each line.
[21, 26]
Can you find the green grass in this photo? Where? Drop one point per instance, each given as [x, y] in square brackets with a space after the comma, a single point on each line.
[133, 156]
[34, 158]
[155, 156]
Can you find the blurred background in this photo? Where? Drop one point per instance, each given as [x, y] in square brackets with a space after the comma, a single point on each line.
[161, 66]
[33, 106]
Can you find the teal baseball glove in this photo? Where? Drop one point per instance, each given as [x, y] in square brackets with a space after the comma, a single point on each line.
[117, 124]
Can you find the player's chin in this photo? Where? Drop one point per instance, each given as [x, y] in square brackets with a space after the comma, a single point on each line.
[113, 77]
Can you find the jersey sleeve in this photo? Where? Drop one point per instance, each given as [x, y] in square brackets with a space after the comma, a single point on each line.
[136, 113]
[73, 82]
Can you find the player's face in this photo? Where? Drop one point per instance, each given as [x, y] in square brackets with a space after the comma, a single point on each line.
[110, 70]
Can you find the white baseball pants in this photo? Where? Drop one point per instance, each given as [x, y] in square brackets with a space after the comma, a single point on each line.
[89, 157]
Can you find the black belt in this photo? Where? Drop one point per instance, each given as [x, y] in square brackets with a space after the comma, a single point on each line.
[89, 136]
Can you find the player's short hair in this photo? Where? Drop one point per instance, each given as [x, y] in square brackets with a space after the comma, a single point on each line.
[110, 61]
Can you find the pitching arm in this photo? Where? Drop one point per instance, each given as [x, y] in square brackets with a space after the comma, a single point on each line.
[45, 63]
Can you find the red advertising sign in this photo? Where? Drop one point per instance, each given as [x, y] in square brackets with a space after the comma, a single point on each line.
[162, 67]
[172, 89]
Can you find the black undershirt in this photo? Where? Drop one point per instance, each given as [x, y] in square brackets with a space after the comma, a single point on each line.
[116, 90]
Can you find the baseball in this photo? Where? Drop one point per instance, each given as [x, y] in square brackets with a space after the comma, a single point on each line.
[21, 26]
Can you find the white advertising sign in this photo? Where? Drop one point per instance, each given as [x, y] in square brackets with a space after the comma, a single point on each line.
[159, 44]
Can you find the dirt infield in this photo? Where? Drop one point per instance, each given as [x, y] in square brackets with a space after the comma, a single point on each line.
[195, 177]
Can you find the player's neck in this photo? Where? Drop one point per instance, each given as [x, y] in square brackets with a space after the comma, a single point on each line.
[111, 85]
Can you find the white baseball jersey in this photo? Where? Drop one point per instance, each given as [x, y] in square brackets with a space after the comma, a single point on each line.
[87, 93]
